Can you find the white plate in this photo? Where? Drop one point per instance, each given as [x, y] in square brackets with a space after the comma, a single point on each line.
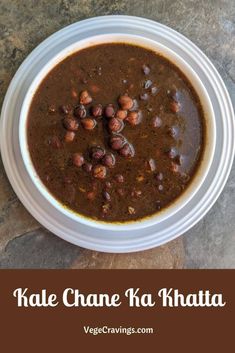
[111, 241]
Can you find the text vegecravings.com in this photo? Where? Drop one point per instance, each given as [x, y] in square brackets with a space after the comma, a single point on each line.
[117, 330]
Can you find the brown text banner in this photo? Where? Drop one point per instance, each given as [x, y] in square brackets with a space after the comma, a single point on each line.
[128, 310]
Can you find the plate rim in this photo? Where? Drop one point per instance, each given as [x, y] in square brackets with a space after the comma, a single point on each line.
[109, 247]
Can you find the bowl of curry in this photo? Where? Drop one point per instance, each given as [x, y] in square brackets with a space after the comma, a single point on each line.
[117, 132]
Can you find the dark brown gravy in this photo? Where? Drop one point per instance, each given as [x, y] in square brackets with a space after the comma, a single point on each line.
[125, 161]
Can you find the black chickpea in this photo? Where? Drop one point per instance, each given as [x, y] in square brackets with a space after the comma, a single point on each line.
[97, 153]
[121, 114]
[78, 159]
[125, 102]
[135, 105]
[127, 150]
[88, 123]
[65, 109]
[116, 125]
[85, 97]
[99, 171]
[117, 142]
[109, 160]
[80, 111]
[97, 110]
[69, 136]
[134, 118]
[70, 124]
[109, 111]
[106, 196]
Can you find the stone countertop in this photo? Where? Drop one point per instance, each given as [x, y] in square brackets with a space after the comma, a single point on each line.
[210, 25]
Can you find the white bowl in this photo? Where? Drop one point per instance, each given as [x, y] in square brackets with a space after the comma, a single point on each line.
[210, 140]
[113, 240]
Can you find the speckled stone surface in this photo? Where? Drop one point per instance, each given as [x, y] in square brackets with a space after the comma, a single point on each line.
[24, 24]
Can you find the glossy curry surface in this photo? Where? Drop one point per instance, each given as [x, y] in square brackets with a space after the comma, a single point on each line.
[116, 132]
